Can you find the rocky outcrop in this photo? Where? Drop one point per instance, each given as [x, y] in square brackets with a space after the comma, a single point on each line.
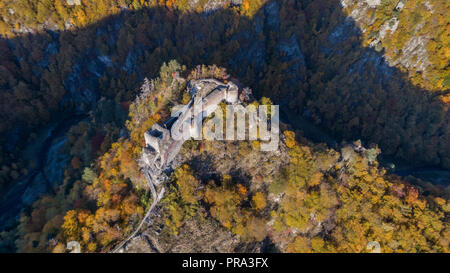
[73, 2]
[212, 5]
[413, 55]
[163, 142]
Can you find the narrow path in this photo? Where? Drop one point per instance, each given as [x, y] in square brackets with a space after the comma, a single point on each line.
[156, 198]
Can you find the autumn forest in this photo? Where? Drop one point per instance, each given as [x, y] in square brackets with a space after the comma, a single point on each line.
[364, 95]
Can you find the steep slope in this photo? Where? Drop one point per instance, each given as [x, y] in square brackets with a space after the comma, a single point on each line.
[321, 60]
[414, 35]
[300, 198]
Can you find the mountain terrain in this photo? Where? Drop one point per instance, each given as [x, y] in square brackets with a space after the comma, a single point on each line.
[75, 106]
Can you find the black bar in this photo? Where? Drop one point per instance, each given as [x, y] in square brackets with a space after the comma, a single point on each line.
[170, 262]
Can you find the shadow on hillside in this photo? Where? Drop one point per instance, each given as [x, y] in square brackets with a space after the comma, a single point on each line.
[305, 56]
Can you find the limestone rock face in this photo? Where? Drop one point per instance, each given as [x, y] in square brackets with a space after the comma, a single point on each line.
[413, 55]
[373, 3]
[213, 5]
[73, 2]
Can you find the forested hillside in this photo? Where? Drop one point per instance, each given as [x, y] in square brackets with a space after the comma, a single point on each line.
[371, 70]
[301, 198]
